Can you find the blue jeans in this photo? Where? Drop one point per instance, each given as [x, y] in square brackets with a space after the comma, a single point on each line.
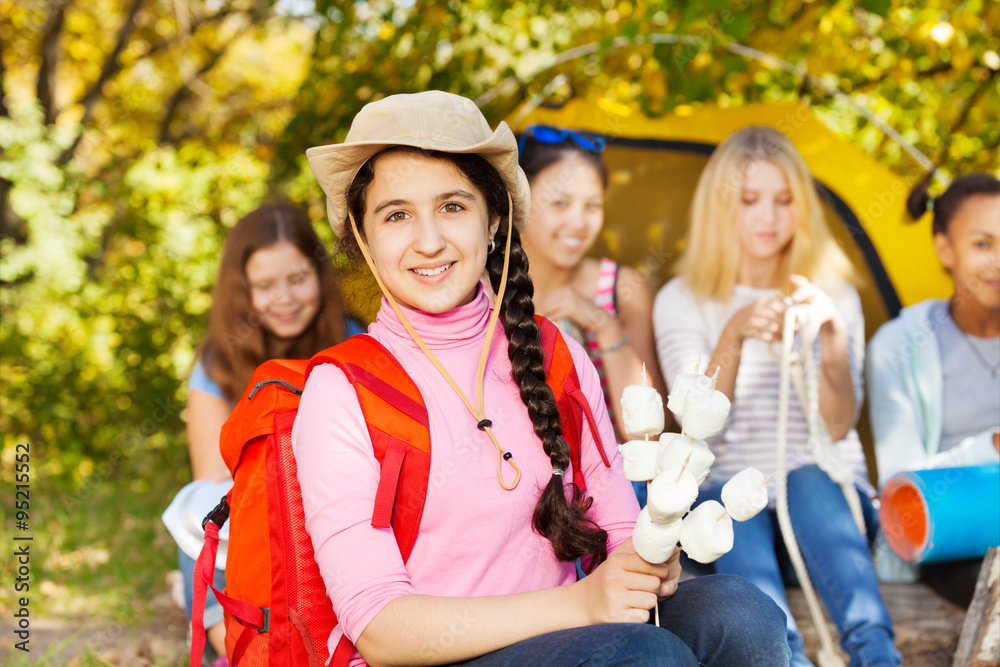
[836, 555]
[719, 620]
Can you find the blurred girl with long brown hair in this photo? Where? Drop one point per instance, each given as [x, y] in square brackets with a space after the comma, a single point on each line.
[276, 297]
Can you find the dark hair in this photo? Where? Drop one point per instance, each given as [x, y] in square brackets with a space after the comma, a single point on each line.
[537, 156]
[947, 205]
[237, 342]
[563, 522]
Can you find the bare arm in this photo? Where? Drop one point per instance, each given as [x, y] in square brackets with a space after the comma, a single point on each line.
[626, 341]
[635, 312]
[837, 400]
[205, 416]
[764, 319]
[761, 319]
[621, 590]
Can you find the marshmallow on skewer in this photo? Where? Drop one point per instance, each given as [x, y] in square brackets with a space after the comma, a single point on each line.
[671, 495]
[705, 409]
[642, 411]
[655, 542]
[707, 532]
[639, 460]
[682, 384]
[745, 494]
[674, 451]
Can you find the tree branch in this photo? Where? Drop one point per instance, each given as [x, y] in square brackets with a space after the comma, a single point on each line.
[867, 84]
[195, 25]
[10, 223]
[964, 115]
[3, 105]
[184, 91]
[49, 52]
[111, 67]
[111, 64]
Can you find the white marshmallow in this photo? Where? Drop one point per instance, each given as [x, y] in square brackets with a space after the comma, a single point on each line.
[639, 459]
[682, 383]
[704, 536]
[669, 498]
[745, 494]
[654, 542]
[642, 411]
[674, 450]
[705, 411]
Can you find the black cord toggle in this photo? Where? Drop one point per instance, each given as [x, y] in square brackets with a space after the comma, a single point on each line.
[484, 424]
[507, 456]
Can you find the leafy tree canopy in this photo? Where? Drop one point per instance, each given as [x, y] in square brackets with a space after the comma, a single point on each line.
[134, 133]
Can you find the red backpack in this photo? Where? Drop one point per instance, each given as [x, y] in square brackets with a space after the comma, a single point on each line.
[277, 612]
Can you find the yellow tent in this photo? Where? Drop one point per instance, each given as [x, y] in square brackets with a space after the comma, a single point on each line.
[654, 164]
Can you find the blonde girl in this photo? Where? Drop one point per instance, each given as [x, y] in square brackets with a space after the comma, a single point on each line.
[757, 236]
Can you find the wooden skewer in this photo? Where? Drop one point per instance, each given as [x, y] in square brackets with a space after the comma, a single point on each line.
[683, 468]
[697, 366]
[764, 483]
[721, 516]
[715, 376]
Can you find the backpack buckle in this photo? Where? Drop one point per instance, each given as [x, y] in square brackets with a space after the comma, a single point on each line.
[267, 620]
[219, 514]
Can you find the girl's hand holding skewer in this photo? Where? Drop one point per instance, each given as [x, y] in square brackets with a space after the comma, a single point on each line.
[668, 586]
[624, 588]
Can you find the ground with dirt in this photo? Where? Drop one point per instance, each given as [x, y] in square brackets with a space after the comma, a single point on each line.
[927, 629]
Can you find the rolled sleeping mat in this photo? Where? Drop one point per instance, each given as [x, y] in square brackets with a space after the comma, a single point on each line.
[930, 516]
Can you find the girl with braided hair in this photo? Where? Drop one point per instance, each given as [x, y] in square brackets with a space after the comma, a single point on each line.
[934, 371]
[435, 202]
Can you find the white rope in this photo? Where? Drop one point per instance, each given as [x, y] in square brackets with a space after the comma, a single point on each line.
[805, 379]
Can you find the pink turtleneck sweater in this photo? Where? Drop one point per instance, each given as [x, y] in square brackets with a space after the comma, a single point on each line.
[475, 538]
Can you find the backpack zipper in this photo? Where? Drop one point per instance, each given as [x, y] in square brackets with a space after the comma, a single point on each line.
[263, 383]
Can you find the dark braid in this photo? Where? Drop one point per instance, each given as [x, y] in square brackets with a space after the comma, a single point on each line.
[563, 522]
[948, 204]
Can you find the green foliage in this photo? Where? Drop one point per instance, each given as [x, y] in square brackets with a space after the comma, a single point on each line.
[134, 133]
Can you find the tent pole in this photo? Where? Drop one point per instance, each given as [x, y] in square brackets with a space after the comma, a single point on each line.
[740, 49]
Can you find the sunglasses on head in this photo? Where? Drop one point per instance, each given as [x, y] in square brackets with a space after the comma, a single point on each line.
[550, 134]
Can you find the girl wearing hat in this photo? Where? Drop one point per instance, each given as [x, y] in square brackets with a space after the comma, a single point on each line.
[272, 300]
[758, 235]
[608, 308]
[433, 199]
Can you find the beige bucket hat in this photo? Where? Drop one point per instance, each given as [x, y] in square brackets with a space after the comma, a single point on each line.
[432, 120]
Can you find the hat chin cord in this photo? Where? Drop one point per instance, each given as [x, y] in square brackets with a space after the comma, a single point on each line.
[478, 411]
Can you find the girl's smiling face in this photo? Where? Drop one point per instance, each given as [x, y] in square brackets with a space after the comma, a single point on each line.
[428, 230]
[284, 288]
[567, 212]
[971, 250]
[767, 213]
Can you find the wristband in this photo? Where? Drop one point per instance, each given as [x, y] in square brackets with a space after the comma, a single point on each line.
[614, 348]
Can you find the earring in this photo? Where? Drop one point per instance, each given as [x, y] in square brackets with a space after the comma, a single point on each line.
[493, 246]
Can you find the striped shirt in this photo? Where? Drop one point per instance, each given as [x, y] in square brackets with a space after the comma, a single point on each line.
[687, 327]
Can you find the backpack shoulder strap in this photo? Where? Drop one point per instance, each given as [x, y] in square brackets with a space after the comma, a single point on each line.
[397, 422]
[574, 409]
